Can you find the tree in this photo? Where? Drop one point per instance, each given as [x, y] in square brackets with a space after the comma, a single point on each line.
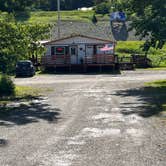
[149, 21]
[35, 33]
[102, 8]
[23, 5]
[13, 44]
[15, 5]
[17, 42]
[7, 87]
[94, 19]
[96, 2]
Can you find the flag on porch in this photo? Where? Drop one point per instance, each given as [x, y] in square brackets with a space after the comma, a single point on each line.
[107, 47]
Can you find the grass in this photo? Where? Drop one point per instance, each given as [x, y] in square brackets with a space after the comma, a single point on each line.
[155, 68]
[24, 93]
[126, 48]
[26, 107]
[51, 16]
[159, 83]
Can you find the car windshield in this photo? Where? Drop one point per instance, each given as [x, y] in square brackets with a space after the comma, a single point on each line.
[25, 64]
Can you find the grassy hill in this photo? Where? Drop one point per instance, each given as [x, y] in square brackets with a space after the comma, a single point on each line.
[51, 16]
[126, 48]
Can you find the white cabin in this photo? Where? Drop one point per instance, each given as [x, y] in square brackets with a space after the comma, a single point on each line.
[77, 50]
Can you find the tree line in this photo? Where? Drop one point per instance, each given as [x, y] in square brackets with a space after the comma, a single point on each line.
[19, 41]
[149, 20]
[51, 5]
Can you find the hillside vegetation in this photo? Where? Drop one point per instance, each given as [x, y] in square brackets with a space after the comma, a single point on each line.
[51, 16]
[126, 48]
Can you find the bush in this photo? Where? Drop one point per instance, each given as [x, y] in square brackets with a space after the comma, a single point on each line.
[7, 87]
[102, 8]
[94, 19]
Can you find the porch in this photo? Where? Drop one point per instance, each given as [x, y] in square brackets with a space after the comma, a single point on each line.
[96, 63]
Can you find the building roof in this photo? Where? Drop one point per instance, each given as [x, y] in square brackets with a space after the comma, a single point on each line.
[75, 39]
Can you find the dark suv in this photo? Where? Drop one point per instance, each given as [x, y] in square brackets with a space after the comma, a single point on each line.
[25, 68]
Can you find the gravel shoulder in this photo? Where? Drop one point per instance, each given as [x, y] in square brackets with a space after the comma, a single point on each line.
[89, 120]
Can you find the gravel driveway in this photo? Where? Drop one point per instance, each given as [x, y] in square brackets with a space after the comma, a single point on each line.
[86, 120]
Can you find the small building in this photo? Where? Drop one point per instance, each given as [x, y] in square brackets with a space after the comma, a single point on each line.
[78, 50]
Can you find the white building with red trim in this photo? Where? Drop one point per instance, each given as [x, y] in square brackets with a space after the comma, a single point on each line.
[78, 50]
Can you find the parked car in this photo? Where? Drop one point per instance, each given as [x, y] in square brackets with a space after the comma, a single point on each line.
[25, 68]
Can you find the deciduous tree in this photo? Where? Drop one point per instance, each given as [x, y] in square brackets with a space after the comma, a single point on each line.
[149, 21]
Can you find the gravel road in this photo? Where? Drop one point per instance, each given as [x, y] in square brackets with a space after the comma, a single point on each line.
[86, 120]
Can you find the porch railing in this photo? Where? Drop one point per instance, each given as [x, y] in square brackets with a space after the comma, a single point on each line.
[62, 60]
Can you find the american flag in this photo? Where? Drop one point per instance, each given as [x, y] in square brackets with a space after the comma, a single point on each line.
[107, 47]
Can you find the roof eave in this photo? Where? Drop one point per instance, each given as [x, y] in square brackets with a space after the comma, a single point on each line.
[95, 38]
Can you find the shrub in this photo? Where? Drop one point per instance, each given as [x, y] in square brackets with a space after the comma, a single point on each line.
[102, 8]
[7, 87]
[94, 19]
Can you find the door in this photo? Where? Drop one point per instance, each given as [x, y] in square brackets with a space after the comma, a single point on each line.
[89, 50]
[81, 53]
[73, 55]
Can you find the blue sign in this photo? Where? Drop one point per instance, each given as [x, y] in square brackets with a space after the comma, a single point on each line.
[118, 16]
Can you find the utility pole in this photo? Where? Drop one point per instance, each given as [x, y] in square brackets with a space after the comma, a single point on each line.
[59, 18]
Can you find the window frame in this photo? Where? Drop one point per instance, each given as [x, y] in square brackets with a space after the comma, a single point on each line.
[64, 50]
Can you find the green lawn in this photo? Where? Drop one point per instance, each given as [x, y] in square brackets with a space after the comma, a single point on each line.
[51, 16]
[126, 48]
[158, 84]
[25, 91]
[22, 93]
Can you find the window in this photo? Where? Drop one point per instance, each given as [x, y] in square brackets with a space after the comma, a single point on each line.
[98, 49]
[89, 50]
[60, 50]
[52, 51]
